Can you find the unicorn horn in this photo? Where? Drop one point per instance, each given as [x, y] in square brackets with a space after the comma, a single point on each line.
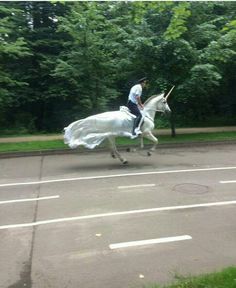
[169, 92]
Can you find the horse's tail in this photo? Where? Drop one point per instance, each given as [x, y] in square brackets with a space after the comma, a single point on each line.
[76, 130]
[92, 130]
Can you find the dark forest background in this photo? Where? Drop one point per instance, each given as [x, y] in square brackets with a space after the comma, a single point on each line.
[62, 61]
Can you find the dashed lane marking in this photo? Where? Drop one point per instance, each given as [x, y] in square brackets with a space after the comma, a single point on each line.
[228, 182]
[149, 242]
[136, 186]
[29, 199]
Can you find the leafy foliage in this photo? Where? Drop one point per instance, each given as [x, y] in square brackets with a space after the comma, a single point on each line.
[62, 61]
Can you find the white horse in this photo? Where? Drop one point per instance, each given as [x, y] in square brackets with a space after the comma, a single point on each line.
[93, 130]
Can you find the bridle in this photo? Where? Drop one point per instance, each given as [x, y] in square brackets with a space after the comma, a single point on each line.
[164, 101]
[158, 110]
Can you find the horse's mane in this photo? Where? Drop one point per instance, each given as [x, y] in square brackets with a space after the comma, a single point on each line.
[150, 98]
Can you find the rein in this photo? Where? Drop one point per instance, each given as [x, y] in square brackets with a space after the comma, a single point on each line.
[156, 110]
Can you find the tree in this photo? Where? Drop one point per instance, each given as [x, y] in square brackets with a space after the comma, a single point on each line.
[13, 49]
[62, 61]
[88, 64]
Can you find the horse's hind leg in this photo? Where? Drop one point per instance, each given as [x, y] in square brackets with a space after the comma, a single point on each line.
[110, 142]
[114, 151]
[113, 155]
[141, 142]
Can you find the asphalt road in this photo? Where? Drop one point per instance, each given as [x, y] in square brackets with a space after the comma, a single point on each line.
[87, 221]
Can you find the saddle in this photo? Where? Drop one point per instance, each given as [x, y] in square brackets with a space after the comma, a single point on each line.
[127, 111]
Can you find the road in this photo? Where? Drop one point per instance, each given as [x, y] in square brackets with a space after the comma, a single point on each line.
[88, 221]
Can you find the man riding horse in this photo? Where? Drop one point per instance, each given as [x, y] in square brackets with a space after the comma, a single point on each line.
[135, 104]
[93, 130]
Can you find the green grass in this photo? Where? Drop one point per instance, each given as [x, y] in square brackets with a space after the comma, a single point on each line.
[32, 146]
[122, 141]
[223, 279]
[213, 136]
[185, 138]
[4, 135]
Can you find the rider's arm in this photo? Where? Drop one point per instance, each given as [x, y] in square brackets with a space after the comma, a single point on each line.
[139, 101]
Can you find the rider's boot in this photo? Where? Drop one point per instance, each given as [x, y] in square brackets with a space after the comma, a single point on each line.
[137, 131]
[136, 127]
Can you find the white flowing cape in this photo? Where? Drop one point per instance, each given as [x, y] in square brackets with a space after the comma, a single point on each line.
[93, 130]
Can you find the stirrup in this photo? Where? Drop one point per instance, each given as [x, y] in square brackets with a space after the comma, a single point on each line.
[133, 136]
[137, 131]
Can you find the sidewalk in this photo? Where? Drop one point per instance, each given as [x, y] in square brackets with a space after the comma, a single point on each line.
[157, 132]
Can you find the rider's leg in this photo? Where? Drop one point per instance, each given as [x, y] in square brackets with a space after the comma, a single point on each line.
[136, 124]
[135, 110]
[140, 124]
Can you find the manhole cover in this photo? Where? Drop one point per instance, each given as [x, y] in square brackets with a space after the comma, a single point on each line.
[191, 188]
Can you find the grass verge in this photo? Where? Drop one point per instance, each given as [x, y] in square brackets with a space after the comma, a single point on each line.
[223, 279]
[121, 141]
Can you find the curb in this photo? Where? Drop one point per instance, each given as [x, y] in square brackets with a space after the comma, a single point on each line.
[98, 150]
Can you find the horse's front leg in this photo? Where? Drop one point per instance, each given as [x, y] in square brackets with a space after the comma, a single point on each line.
[114, 151]
[151, 137]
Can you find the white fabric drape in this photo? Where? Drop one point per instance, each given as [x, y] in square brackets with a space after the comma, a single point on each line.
[93, 130]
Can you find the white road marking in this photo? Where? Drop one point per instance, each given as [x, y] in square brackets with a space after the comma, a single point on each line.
[149, 242]
[117, 175]
[136, 186]
[227, 182]
[29, 199]
[141, 276]
[103, 215]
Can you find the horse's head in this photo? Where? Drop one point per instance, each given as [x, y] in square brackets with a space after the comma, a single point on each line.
[162, 105]
[157, 103]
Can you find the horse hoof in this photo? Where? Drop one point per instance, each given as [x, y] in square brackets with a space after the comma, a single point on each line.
[125, 162]
[149, 153]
